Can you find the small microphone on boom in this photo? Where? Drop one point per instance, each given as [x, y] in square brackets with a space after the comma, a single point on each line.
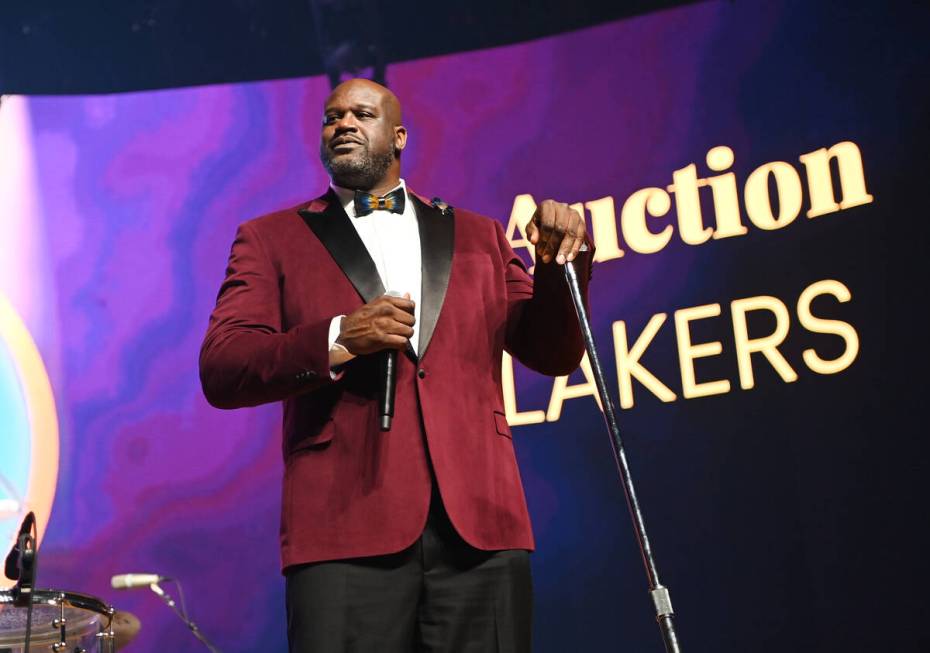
[132, 581]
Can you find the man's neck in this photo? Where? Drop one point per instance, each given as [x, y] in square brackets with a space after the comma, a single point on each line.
[381, 188]
[385, 186]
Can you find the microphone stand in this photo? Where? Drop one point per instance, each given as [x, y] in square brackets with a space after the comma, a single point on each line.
[659, 594]
[182, 614]
[21, 565]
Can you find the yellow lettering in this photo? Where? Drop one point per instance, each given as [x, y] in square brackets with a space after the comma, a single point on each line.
[604, 229]
[514, 417]
[768, 345]
[688, 205]
[758, 202]
[819, 325]
[520, 215]
[687, 352]
[760, 206]
[562, 391]
[820, 179]
[726, 197]
[633, 220]
[628, 365]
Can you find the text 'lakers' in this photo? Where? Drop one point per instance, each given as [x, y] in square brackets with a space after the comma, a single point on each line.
[773, 198]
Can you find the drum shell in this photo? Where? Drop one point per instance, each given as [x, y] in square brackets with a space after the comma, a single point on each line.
[86, 626]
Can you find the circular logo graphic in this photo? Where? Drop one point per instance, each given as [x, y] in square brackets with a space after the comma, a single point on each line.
[29, 427]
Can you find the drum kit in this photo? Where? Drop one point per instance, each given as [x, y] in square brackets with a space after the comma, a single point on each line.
[64, 622]
[52, 620]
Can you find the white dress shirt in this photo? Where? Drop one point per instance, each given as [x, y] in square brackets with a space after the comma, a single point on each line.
[393, 242]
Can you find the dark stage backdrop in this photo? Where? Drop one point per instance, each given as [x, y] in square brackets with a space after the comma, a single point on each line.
[754, 175]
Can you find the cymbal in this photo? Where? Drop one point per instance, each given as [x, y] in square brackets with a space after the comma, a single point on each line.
[125, 626]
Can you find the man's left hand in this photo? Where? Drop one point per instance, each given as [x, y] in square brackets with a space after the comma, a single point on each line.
[557, 231]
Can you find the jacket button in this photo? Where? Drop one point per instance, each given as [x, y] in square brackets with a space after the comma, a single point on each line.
[421, 373]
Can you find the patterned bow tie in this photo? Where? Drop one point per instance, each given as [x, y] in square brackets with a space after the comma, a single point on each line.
[365, 203]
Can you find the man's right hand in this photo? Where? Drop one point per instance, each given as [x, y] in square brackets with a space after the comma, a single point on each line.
[384, 323]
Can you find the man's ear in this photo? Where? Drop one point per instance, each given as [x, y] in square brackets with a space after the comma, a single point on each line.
[400, 138]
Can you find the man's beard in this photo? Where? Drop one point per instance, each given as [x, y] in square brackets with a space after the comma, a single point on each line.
[360, 172]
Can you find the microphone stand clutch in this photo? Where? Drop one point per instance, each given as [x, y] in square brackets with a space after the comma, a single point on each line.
[20, 564]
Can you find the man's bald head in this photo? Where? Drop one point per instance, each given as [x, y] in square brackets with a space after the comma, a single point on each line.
[362, 136]
[361, 87]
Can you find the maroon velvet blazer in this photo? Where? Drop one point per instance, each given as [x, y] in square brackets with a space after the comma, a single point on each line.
[350, 489]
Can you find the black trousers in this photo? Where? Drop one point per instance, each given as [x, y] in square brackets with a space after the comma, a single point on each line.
[439, 595]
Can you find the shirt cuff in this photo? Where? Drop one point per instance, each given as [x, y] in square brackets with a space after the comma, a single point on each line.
[335, 326]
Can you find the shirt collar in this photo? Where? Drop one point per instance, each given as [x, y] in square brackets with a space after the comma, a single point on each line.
[347, 196]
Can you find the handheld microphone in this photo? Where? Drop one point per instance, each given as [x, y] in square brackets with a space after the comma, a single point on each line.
[388, 380]
[132, 581]
[389, 374]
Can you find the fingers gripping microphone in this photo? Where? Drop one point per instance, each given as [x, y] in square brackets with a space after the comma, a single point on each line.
[388, 380]
[132, 581]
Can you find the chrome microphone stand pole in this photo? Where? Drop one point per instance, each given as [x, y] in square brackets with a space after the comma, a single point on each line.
[660, 596]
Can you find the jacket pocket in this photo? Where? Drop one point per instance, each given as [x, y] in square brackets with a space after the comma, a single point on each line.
[500, 423]
[317, 440]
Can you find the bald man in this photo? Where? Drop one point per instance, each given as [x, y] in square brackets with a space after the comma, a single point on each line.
[415, 538]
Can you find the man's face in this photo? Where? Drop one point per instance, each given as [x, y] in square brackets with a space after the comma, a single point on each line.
[360, 134]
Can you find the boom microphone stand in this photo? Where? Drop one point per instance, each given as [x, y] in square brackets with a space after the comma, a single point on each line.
[182, 613]
[660, 596]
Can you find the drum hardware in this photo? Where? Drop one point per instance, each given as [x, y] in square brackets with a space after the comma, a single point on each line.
[124, 626]
[64, 622]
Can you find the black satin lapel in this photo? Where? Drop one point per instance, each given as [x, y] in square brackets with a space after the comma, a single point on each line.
[339, 237]
[437, 239]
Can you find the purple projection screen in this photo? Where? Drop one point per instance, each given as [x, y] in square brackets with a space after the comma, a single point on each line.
[736, 168]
